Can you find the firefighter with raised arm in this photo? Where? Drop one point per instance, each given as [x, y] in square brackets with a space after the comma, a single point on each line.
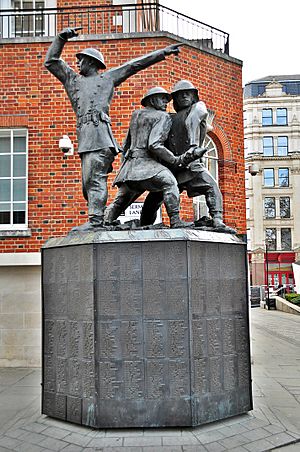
[90, 94]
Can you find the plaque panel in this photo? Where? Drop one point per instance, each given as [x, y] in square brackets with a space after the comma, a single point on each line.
[214, 336]
[179, 383]
[55, 405]
[88, 379]
[176, 259]
[108, 299]
[156, 379]
[61, 375]
[154, 261]
[131, 293]
[62, 337]
[228, 335]
[74, 409]
[110, 380]
[155, 339]
[108, 263]
[176, 299]
[109, 340]
[130, 262]
[199, 335]
[230, 372]
[134, 380]
[154, 292]
[131, 339]
[178, 345]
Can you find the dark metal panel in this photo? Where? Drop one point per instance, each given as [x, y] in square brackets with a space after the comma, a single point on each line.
[74, 409]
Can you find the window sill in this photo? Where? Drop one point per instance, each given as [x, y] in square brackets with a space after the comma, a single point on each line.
[15, 233]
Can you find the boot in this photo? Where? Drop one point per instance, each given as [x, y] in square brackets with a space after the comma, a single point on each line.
[220, 225]
[93, 223]
[176, 222]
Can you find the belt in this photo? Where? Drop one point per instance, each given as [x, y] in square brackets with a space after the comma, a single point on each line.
[94, 117]
[134, 153]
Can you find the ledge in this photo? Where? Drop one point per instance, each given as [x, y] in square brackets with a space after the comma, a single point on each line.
[19, 259]
[141, 235]
[118, 36]
[15, 233]
[286, 306]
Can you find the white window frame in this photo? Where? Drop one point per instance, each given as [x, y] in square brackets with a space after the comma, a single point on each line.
[199, 202]
[7, 22]
[11, 225]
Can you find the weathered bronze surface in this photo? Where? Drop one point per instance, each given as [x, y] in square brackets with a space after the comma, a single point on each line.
[145, 328]
[188, 131]
[90, 94]
[144, 166]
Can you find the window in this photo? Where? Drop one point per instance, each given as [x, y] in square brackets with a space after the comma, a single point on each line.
[13, 178]
[271, 238]
[269, 177]
[269, 205]
[28, 19]
[211, 157]
[282, 146]
[283, 177]
[267, 117]
[281, 116]
[30, 23]
[268, 147]
[286, 239]
[211, 162]
[284, 206]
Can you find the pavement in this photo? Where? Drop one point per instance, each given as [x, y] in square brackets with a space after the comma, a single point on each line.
[274, 424]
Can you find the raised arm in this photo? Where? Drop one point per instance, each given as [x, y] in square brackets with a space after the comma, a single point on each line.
[121, 73]
[53, 62]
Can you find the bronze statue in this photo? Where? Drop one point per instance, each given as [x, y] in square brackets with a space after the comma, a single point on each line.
[145, 159]
[188, 131]
[90, 94]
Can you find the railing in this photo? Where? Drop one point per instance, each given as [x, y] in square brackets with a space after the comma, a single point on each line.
[129, 18]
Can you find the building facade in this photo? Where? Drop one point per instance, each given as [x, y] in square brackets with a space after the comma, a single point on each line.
[40, 187]
[272, 149]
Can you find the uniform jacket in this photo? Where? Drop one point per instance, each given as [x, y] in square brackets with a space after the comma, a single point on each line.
[91, 96]
[144, 146]
[188, 129]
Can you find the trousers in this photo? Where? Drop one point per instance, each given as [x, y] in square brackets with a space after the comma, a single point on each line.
[96, 166]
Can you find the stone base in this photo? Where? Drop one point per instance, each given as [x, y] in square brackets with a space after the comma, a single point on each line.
[145, 328]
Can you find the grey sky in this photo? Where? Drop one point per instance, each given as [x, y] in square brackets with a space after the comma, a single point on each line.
[264, 34]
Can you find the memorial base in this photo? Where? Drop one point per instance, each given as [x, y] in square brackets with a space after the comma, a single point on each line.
[145, 328]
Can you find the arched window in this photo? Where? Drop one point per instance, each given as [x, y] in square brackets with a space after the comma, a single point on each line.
[211, 157]
[211, 163]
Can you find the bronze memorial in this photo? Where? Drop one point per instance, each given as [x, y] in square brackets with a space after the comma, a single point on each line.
[143, 326]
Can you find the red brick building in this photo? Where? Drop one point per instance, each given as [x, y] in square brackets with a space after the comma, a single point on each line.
[40, 188]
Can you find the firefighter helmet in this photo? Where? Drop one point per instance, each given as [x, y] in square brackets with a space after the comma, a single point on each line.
[95, 54]
[153, 92]
[183, 85]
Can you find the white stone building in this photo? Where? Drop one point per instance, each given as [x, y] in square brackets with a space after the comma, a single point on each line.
[272, 147]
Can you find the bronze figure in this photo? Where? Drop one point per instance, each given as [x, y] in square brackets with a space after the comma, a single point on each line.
[188, 131]
[145, 159]
[91, 94]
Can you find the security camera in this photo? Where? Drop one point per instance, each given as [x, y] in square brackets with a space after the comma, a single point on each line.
[66, 146]
[253, 169]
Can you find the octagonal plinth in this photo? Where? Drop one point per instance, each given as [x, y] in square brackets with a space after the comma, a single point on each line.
[145, 328]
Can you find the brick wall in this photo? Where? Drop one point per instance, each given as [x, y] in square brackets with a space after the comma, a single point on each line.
[31, 97]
